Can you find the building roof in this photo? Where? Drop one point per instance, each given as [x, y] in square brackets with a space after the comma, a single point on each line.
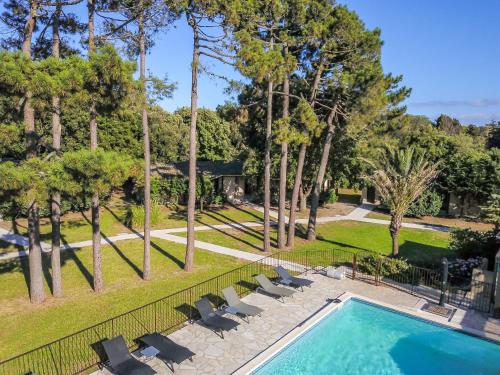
[211, 169]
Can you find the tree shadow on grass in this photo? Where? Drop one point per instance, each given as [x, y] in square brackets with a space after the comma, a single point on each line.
[223, 219]
[158, 248]
[72, 224]
[248, 212]
[423, 253]
[71, 254]
[239, 239]
[181, 215]
[121, 220]
[322, 239]
[120, 253]
[243, 229]
[21, 265]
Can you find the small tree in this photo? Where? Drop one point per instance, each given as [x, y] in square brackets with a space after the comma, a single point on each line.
[491, 211]
[400, 178]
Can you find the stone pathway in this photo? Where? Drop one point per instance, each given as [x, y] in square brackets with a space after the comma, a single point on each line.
[259, 208]
[217, 356]
[358, 214]
[436, 228]
[211, 247]
[361, 211]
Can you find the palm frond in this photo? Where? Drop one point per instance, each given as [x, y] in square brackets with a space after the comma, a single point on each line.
[401, 177]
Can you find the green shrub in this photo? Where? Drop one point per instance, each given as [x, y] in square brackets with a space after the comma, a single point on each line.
[163, 190]
[332, 197]
[328, 197]
[369, 264]
[428, 204]
[468, 243]
[218, 200]
[135, 215]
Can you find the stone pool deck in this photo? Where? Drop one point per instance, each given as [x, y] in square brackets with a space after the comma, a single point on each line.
[217, 356]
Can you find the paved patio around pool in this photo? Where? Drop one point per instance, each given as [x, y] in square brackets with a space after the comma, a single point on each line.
[217, 356]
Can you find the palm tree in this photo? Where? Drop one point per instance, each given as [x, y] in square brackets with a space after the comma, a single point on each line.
[400, 178]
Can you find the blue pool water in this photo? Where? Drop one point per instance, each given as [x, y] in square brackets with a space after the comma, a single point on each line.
[361, 338]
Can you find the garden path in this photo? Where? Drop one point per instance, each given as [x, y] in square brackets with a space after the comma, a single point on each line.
[358, 214]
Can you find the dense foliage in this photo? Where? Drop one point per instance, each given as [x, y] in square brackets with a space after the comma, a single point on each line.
[375, 264]
[468, 243]
[428, 204]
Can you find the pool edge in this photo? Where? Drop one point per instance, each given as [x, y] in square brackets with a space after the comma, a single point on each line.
[268, 353]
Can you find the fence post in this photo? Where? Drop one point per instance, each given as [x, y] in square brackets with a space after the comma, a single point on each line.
[496, 286]
[190, 304]
[333, 258]
[377, 275]
[156, 324]
[218, 290]
[240, 282]
[354, 266]
[444, 280]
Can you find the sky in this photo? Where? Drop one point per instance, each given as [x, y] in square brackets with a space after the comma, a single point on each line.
[448, 52]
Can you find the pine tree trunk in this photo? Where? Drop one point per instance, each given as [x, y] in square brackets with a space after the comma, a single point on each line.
[188, 263]
[394, 228]
[283, 165]
[96, 230]
[267, 168]
[297, 186]
[147, 155]
[91, 11]
[327, 143]
[56, 146]
[303, 200]
[37, 292]
[296, 194]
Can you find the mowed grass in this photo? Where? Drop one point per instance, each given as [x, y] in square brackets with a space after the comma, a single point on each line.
[76, 227]
[26, 326]
[419, 246]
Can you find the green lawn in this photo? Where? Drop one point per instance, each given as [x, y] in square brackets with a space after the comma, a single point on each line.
[419, 246]
[26, 326]
[76, 227]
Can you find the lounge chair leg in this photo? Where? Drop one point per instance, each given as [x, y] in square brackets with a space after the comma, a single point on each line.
[172, 366]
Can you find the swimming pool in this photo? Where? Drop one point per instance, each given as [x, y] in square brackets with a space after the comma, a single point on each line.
[362, 338]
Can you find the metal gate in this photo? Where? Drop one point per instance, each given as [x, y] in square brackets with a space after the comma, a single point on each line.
[478, 296]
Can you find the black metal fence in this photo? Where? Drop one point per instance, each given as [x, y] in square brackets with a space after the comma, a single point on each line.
[82, 351]
[477, 295]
